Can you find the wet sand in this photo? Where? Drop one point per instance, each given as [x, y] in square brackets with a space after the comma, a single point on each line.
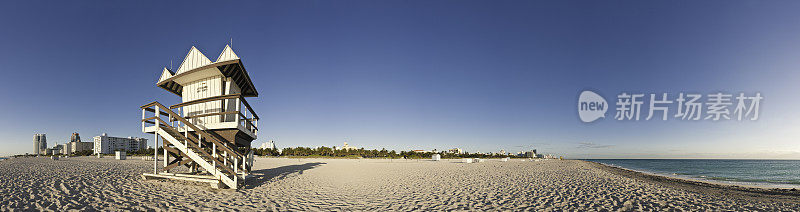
[282, 184]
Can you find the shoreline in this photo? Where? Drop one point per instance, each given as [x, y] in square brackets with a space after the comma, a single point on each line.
[711, 188]
[753, 184]
[704, 179]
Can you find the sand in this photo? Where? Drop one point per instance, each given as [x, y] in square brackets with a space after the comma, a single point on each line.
[87, 183]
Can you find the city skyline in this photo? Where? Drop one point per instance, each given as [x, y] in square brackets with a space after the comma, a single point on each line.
[466, 74]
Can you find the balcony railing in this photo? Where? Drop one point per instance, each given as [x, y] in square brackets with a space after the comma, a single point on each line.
[242, 113]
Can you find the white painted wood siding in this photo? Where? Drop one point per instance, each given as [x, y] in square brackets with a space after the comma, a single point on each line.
[227, 54]
[193, 60]
[203, 88]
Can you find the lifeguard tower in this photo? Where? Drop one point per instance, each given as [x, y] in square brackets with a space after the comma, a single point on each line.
[211, 131]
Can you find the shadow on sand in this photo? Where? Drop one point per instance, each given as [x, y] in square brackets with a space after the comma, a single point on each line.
[260, 177]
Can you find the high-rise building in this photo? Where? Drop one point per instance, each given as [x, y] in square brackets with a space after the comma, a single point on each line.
[39, 144]
[456, 151]
[75, 137]
[105, 144]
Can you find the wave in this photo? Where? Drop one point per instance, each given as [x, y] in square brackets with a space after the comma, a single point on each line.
[748, 180]
[770, 173]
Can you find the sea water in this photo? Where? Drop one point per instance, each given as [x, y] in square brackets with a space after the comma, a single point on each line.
[766, 173]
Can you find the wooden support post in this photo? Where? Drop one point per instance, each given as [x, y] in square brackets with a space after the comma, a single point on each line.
[214, 155]
[236, 171]
[166, 157]
[238, 108]
[155, 145]
[143, 119]
[155, 155]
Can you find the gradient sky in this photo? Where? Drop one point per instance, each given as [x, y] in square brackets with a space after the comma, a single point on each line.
[479, 75]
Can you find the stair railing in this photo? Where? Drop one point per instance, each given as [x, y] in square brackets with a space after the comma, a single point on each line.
[217, 146]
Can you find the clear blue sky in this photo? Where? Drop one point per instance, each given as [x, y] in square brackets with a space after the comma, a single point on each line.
[479, 75]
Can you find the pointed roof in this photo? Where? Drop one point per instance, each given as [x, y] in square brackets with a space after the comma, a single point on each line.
[197, 66]
[227, 54]
[166, 74]
[194, 59]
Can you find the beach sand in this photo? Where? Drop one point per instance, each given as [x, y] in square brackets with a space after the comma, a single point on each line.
[87, 183]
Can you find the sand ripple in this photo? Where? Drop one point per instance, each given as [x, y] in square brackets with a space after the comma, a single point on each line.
[87, 183]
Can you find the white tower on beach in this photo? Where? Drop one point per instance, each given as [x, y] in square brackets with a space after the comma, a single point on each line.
[213, 127]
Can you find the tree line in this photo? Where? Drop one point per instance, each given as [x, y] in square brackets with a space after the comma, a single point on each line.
[332, 152]
[364, 153]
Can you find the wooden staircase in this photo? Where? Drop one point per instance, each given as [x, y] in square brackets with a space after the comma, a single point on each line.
[193, 147]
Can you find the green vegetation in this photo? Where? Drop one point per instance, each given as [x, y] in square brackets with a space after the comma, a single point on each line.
[306, 152]
[84, 153]
[327, 152]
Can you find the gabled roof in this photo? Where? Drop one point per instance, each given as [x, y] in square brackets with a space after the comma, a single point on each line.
[197, 66]
[227, 54]
[193, 60]
[166, 74]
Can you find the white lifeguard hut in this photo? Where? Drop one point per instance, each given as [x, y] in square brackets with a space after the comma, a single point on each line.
[212, 128]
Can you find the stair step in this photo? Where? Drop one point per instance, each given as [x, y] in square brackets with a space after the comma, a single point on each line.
[225, 173]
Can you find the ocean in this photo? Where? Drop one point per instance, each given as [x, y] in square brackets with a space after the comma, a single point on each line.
[764, 173]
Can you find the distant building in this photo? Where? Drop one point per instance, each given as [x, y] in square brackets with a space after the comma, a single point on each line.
[268, 145]
[74, 145]
[65, 148]
[58, 149]
[530, 154]
[75, 137]
[346, 147]
[39, 144]
[105, 144]
[82, 146]
[502, 152]
[456, 151]
[419, 151]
